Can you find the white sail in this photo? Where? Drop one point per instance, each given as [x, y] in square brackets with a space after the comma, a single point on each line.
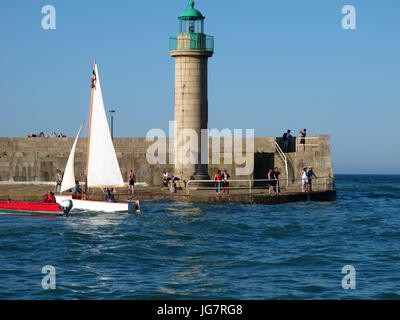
[68, 181]
[102, 167]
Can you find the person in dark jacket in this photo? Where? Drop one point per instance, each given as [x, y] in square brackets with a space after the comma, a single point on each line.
[277, 173]
[225, 182]
[310, 175]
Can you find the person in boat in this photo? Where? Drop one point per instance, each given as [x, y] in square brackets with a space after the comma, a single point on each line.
[131, 179]
[49, 197]
[77, 189]
[109, 196]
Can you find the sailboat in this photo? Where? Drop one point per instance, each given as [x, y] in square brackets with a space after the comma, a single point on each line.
[102, 168]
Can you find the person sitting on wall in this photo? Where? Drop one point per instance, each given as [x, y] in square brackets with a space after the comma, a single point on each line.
[109, 196]
[173, 179]
[49, 197]
[166, 179]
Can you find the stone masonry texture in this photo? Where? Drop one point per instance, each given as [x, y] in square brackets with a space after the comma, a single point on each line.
[37, 159]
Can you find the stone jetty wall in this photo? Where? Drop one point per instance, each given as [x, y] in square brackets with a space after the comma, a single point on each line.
[37, 159]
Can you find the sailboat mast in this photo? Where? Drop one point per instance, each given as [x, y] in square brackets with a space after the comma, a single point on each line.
[90, 126]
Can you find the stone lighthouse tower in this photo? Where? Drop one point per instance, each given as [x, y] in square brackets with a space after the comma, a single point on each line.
[191, 49]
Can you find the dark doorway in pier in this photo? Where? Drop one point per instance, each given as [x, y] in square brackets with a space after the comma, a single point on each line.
[263, 161]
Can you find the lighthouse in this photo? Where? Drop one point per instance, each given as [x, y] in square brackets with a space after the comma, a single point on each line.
[191, 48]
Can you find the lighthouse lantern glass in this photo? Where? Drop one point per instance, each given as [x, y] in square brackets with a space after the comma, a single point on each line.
[191, 26]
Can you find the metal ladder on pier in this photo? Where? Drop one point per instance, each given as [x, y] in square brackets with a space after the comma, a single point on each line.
[284, 159]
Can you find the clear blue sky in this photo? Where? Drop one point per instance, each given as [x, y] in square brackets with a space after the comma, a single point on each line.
[277, 65]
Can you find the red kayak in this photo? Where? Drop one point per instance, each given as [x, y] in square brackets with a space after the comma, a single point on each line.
[29, 207]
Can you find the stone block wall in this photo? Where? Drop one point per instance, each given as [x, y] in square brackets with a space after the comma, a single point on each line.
[37, 159]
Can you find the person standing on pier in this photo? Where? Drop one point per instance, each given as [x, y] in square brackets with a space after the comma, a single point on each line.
[217, 179]
[286, 140]
[271, 182]
[310, 175]
[277, 188]
[131, 179]
[303, 139]
[304, 180]
[59, 179]
[225, 178]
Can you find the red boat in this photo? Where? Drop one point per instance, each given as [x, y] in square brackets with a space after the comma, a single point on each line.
[30, 207]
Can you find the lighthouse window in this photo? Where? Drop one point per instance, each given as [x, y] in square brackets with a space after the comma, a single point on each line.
[191, 27]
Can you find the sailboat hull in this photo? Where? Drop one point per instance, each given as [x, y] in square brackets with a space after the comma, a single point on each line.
[30, 207]
[99, 206]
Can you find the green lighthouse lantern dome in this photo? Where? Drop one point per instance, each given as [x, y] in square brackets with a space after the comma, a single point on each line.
[191, 13]
[191, 20]
[191, 32]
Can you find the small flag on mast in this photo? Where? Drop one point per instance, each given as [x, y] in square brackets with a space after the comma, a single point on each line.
[94, 80]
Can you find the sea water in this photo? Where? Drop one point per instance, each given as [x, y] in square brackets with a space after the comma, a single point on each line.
[180, 250]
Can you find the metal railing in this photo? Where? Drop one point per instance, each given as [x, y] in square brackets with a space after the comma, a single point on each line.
[298, 139]
[191, 41]
[284, 158]
[325, 182]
